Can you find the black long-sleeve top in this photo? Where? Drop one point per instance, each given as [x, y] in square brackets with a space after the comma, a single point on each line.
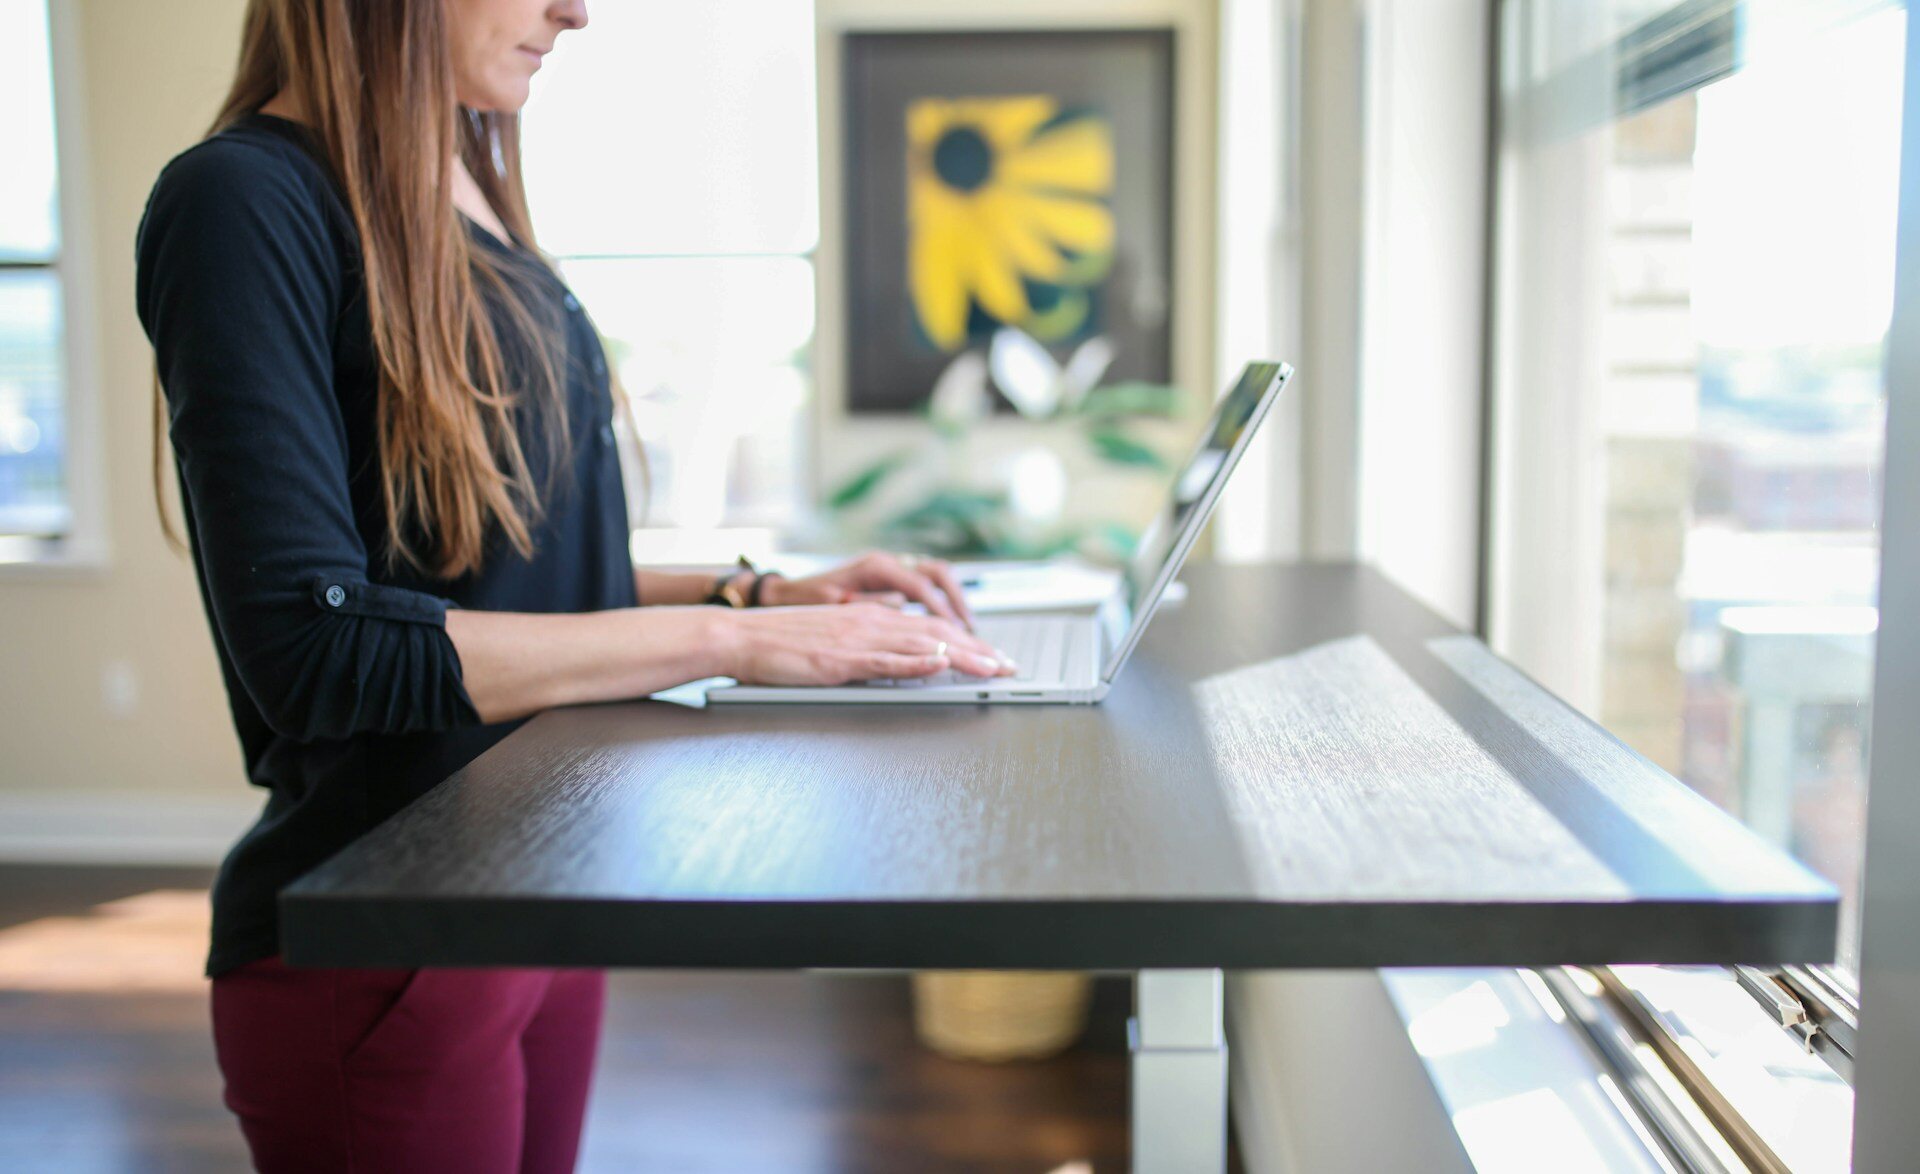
[345, 690]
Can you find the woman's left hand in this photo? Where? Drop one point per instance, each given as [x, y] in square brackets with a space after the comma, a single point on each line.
[889, 578]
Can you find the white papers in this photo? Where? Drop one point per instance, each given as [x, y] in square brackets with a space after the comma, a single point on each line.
[1054, 585]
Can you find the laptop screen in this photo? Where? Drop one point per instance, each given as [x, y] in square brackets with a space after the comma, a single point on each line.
[1164, 544]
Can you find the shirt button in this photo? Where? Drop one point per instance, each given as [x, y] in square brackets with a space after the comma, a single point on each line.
[572, 302]
[606, 435]
[599, 365]
[336, 595]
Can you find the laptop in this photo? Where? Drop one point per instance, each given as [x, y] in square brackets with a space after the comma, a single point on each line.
[1074, 657]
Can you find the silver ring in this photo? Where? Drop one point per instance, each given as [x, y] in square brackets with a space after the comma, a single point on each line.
[940, 651]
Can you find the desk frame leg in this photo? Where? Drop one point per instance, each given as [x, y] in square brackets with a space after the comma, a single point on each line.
[1179, 1072]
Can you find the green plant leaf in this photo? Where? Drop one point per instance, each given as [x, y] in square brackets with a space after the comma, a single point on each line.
[1132, 399]
[1119, 539]
[951, 522]
[856, 488]
[1065, 541]
[1120, 449]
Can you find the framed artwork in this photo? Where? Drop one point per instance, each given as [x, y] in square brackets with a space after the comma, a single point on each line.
[1020, 178]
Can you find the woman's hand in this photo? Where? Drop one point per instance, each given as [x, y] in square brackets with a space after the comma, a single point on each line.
[862, 641]
[887, 578]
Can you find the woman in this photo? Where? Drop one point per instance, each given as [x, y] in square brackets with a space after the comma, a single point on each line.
[392, 427]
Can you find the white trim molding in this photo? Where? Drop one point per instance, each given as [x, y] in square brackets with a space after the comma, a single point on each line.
[122, 827]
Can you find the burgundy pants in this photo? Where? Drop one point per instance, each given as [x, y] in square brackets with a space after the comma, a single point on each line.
[408, 1070]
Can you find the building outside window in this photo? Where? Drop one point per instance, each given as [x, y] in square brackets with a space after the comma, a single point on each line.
[1694, 277]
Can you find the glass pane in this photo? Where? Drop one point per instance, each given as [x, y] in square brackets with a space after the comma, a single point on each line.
[1782, 558]
[677, 129]
[1694, 303]
[29, 212]
[712, 352]
[32, 407]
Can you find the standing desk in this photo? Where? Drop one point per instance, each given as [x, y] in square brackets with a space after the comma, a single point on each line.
[1301, 767]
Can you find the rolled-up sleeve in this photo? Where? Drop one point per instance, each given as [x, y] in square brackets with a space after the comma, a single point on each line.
[240, 286]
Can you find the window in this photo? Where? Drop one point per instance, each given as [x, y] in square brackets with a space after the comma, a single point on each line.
[670, 155]
[34, 473]
[1693, 285]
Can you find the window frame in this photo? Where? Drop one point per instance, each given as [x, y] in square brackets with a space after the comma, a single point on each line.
[1886, 1131]
[1818, 1005]
[85, 549]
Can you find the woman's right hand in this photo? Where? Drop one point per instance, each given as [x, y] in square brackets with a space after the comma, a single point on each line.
[837, 645]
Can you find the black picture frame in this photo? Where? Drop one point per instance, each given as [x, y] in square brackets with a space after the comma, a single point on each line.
[1124, 76]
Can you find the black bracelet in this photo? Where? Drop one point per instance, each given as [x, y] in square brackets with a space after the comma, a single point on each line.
[724, 593]
[760, 580]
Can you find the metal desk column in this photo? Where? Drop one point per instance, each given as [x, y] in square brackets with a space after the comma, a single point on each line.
[1179, 1072]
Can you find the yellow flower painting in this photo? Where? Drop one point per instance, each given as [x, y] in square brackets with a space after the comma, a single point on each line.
[1005, 194]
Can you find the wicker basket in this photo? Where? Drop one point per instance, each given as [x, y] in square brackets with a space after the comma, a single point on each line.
[999, 1014]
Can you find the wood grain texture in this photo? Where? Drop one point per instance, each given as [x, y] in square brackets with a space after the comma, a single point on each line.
[1288, 774]
[1313, 751]
[1713, 843]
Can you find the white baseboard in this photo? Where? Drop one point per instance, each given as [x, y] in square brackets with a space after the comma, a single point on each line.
[122, 827]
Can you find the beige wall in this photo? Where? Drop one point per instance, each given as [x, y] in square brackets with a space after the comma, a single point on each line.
[144, 78]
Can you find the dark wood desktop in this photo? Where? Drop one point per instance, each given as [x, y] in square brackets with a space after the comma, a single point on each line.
[1300, 767]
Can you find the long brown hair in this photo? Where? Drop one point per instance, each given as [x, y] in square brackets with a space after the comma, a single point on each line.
[374, 82]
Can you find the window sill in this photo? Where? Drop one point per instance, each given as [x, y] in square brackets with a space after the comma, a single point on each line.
[1523, 1091]
[1523, 1080]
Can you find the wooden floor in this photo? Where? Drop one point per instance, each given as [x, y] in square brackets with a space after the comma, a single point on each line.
[106, 1065]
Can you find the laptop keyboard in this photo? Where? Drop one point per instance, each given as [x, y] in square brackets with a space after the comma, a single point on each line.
[1037, 644]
